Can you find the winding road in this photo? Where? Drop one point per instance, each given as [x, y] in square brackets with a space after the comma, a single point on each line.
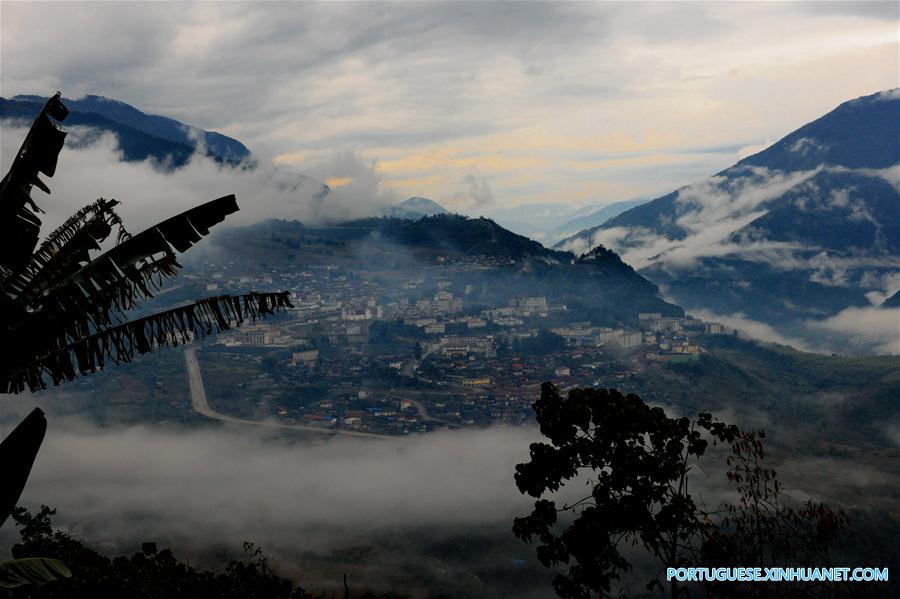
[201, 405]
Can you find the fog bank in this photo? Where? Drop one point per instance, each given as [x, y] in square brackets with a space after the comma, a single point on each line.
[232, 484]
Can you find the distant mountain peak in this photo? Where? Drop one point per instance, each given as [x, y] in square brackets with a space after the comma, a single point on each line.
[858, 134]
[873, 143]
[414, 208]
[790, 236]
[424, 205]
[888, 95]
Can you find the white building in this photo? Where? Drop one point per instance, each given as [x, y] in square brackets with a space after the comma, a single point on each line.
[434, 328]
[529, 303]
[715, 328]
[307, 357]
[630, 339]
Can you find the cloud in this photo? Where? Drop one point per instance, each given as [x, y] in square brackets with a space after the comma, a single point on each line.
[553, 84]
[720, 200]
[886, 285]
[753, 329]
[231, 484]
[707, 215]
[714, 219]
[360, 183]
[877, 329]
[476, 192]
[869, 330]
[150, 193]
[206, 490]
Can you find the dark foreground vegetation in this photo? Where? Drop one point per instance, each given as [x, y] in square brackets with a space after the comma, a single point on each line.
[645, 505]
[636, 465]
[65, 314]
[148, 574]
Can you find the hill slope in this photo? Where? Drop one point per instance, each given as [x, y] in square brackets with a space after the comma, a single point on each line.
[140, 135]
[594, 219]
[497, 263]
[792, 235]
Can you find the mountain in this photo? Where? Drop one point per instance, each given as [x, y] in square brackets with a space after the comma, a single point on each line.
[538, 221]
[140, 135]
[789, 237]
[414, 208]
[594, 219]
[892, 302]
[495, 262]
[549, 223]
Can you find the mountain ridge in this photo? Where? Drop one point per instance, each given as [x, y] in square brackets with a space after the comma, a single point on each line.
[796, 151]
[788, 237]
[140, 135]
[599, 285]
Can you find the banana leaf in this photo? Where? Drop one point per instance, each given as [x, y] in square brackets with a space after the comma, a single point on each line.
[179, 232]
[17, 454]
[121, 343]
[19, 224]
[31, 570]
[66, 248]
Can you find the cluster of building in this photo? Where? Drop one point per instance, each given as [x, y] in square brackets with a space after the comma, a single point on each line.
[438, 341]
[675, 339]
[583, 334]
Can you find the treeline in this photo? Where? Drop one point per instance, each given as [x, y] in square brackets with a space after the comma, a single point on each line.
[147, 574]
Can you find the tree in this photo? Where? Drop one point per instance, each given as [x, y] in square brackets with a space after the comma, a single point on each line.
[639, 460]
[761, 529]
[503, 348]
[543, 343]
[64, 305]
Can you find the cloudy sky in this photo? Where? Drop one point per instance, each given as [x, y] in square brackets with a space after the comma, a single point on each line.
[469, 103]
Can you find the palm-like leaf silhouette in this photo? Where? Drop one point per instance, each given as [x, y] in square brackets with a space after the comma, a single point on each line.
[63, 305]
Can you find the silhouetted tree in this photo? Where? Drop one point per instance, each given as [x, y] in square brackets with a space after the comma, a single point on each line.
[63, 306]
[639, 460]
[761, 529]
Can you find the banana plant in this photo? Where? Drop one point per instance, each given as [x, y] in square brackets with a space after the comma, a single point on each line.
[64, 304]
[31, 570]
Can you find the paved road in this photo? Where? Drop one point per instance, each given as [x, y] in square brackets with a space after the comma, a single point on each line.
[428, 417]
[201, 405]
[423, 411]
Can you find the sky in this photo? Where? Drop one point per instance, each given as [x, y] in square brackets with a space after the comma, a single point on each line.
[479, 106]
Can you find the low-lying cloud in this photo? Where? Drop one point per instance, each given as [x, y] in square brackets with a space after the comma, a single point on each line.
[150, 193]
[232, 484]
[477, 192]
[715, 216]
[311, 503]
[714, 219]
[754, 329]
[869, 330]
[871, 327]
[710, 214]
